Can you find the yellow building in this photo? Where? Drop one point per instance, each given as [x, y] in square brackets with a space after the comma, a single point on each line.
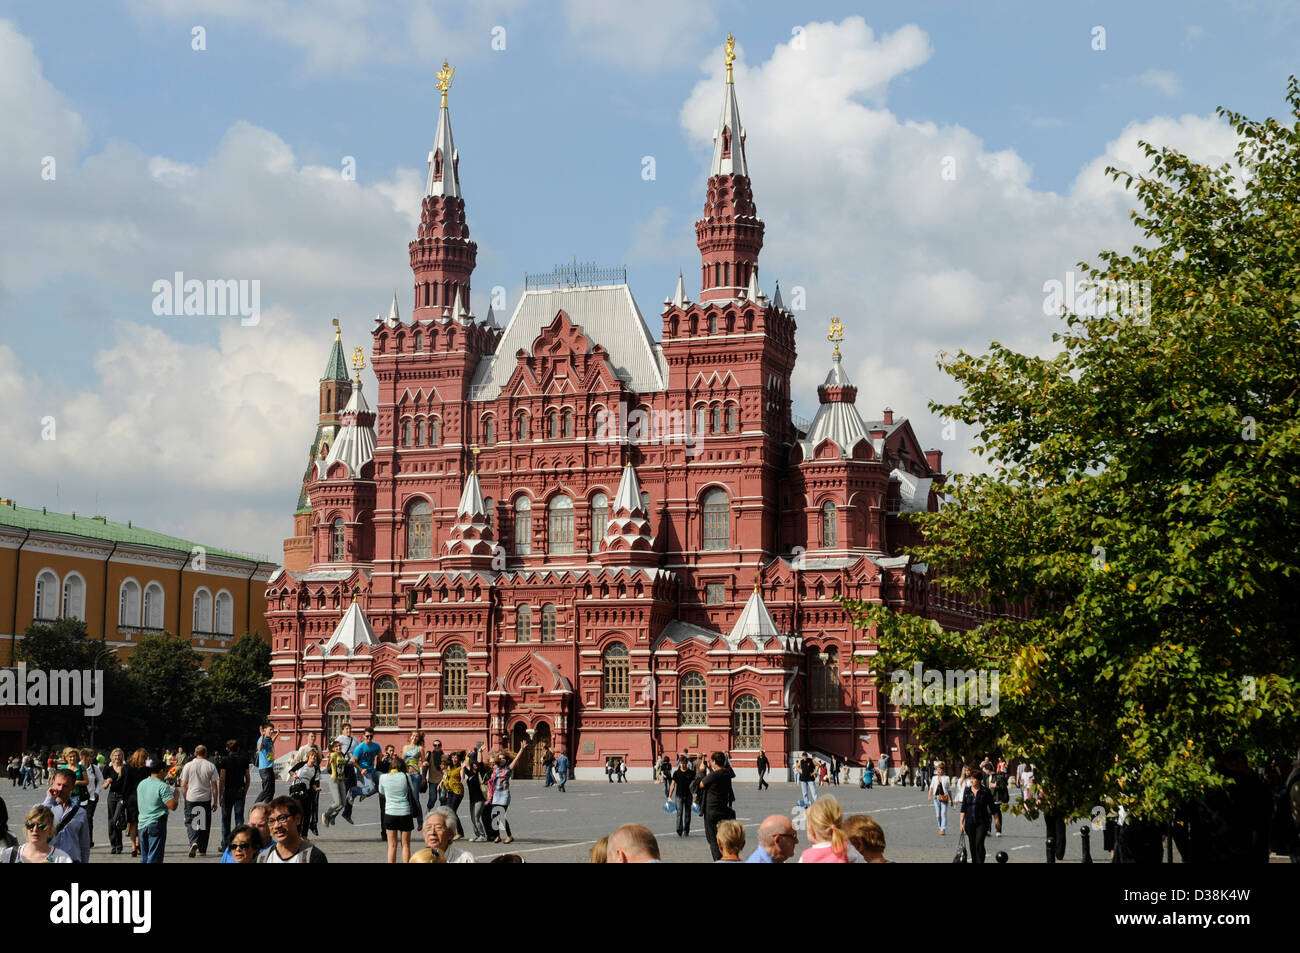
[123, 581]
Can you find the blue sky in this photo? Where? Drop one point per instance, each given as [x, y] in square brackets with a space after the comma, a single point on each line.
[224, 163]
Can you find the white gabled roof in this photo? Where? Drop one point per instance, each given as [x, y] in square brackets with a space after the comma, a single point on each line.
[913, 491]
[608, 316]
[755, 623]
[353, 631]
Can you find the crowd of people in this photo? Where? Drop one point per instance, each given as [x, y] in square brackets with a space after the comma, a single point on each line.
[421, 792]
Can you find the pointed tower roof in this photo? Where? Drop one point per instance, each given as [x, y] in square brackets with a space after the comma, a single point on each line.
[354, 445]
[776, 298]
[679, 296]
[755, 623]
[752, 292]
[353, 631]
[837, 418]
[443, 176]
[470, 544]
[457, 308]
[394, 317]
[491, 320]
[336, 368]
[628, 540]
[729, 134]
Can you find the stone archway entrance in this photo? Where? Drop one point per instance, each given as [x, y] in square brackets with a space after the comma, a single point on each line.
[531, 766]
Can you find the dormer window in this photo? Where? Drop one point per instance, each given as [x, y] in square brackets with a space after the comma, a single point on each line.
[437, 166]
[726, 143]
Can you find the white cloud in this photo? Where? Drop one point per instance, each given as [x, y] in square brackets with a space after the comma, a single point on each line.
[1162, 79]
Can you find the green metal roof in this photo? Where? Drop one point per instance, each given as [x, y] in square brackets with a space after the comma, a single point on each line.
[336, 368]
[24, 518]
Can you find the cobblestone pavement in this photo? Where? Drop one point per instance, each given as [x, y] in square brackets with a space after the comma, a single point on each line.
[550, 827]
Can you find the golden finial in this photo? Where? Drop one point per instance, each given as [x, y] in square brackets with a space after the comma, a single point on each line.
[444, 81]
[356, 591]
[476, 451]
[730, 56]
[358, 362]
[338, 331]
[836, 335]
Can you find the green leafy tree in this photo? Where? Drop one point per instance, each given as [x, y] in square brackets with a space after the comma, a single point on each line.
[63, 645]
[1144, 503]
[238, 690]
[171, 689]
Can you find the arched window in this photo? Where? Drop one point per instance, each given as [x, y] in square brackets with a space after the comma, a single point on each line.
[548, 623]
[490, 512]
[455, 679]
[203, 611]
[489, 430]
[829, 535]
[713, 324]
[153, 606]
[733, 418]
[717, 520]
[435, 432]
[128, 604]
[747, 724]
[523, 526]
[523, 624]
[521, 427]
[337, 544]
[419, 432]
[406, 433]
[599, 519]
[225, 613]
[567, 419]
[560, 531]
[701, 419]
[694, 706]
[329, 400]
[824, 671]
[419, 341]
[419, 530]
[615, 666]
[74, 596]
[386, 702]
[553, 424]
[47, 596]
[717, 418]
[337, 714]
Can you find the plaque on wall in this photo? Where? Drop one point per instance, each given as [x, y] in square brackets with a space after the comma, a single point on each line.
[589, 747]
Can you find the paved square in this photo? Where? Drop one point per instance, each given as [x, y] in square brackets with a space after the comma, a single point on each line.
[550, 827]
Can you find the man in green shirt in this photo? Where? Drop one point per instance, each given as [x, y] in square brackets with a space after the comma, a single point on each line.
[155, 797]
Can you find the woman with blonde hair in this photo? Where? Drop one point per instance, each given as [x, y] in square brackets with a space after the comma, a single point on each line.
[829, 841]
[115, 785]
[599, 851]
[39, 825]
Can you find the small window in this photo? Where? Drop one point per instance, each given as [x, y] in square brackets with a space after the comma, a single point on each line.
[829, 534]
[713, 324]
[523, 526]
[435, 431]
[490, 430]
[455, 679]
[419, 530]
[202, 611]
[548, 623]
[410, 600]
[419, 341]
[74, 597]
[568, 423]
[717, 520]
[521, 427]
[406, 433]
[523, 624]
[419, 433]
[153, 606]
[553, 425]
[560, 535]
[47, 596]
[714, 594]
[338, 545]
[733, 418]
[225, 613]
[599, 519]
[128, 611]
[717, 419]
[616, 670]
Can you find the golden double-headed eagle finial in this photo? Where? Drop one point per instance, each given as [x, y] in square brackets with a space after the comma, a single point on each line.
[836, 335]
[444, 81]
[730, 56]
[358, 361]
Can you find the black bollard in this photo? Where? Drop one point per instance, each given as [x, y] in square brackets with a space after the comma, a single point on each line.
[1085, 832]
[1002, 857]
[1051, 848]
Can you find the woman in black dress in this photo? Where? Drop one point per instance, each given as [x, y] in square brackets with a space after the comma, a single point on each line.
[137, 769]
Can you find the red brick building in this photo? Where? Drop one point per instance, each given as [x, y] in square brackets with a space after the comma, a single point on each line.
[567, 530]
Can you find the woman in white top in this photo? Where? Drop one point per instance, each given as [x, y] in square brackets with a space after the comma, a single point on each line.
[941, 794]
[39, 825]
[962, 784]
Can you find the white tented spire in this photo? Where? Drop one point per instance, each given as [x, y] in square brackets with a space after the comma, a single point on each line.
[353, 631]
[629, 492]
[457, 308]
[729, 138]
[443, 179]
[776, 298]
[394, 317]
[679, 296]
[752, 292]
[755, 623]
[491, 320]
[471, 498]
